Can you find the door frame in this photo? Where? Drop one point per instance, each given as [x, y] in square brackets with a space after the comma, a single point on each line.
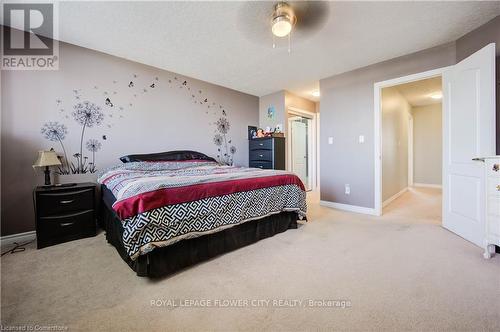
[377, 92]
[312, 145]
[410, 151]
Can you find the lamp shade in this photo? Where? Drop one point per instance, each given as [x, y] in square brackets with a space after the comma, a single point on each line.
[46, 158]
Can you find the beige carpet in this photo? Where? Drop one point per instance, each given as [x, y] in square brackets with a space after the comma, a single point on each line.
[400, 272]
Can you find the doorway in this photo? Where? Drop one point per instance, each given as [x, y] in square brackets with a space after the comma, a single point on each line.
[301, 147]
[411, 135]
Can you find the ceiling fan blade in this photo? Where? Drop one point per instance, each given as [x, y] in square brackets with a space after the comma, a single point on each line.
[311, 15]
[254, 19]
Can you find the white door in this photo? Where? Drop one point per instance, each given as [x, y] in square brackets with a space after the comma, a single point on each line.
[299, 150]
[469, 132]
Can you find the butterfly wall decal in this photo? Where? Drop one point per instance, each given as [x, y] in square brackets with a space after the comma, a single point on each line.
[108, 102]
[131, 84]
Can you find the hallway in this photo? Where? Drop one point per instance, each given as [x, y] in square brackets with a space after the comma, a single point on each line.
[417, 205]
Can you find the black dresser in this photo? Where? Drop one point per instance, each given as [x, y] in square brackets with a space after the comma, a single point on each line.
[267, 153]
[64, 213]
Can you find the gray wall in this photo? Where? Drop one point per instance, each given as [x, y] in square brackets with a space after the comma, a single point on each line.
[427, 144]
[477, 39]
[166, 117]
[347, 112]
[276, 100]
[396, 112]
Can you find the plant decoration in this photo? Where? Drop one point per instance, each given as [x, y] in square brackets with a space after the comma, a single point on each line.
[87, 114]
[93, 146]
[56, 132]
[226, 152]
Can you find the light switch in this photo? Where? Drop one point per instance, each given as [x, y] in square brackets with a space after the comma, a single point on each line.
[361, 139]
[347, 189]
[330, 140]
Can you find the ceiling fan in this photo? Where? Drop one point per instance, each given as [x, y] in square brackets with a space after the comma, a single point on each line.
[260, 21]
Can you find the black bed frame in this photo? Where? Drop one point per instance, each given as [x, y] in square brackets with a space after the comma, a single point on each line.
[164, 261]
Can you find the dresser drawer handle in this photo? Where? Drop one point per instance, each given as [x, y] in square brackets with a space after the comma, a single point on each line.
[261, 166]
[261, 155]
[261, 144]
[68, 201]
[64, 224]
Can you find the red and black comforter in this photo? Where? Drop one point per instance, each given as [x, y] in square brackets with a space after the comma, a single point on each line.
[161, 203]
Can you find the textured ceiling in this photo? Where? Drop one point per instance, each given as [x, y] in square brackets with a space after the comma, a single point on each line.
[419, 93]
[229, 43]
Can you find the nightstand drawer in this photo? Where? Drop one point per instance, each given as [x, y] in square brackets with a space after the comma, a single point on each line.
[55, 203]
[261, 144]
[261, 155]
[67, 226]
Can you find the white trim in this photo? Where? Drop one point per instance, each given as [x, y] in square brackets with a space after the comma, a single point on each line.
[313, 162]
[377, 112]
[428, 185]
[347, 207]
[394, 197]
[8, 240]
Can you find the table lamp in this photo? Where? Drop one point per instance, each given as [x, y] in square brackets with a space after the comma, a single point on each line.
[46, 159]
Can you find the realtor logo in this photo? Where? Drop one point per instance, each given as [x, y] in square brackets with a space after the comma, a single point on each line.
[29, 36]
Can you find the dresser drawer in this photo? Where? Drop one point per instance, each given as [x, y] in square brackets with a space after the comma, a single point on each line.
[261, 155]
[494, 225]
[67, 226]
[493, 206]
[261, 144]
[261, 164]
[62, 202]
[493, 185]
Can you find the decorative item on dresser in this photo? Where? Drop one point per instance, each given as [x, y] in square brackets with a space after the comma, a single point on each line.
[492, 229]
[64, 213]
[267, 153]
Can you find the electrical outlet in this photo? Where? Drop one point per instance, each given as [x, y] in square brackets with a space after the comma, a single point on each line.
[330, 140]
[347, 189]
[361, 139]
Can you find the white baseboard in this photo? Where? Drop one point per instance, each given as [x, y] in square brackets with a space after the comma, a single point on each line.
[428, 185]
[347, 207]
[19, 238]
[393, 197]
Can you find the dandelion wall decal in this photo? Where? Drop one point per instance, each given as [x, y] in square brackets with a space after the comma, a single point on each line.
[223, 125]
[88, 115]
[93, 146]
[218, 139]
[56, 132]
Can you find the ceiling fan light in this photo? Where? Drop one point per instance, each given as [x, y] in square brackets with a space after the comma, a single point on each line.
[282, 26]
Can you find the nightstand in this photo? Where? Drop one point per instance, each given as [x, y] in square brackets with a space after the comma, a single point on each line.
[64, 213]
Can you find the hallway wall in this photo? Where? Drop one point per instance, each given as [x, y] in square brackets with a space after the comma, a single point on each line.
[396, 112]
[427, 144]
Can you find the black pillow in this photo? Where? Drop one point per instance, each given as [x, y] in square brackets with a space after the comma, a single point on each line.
[167, 156]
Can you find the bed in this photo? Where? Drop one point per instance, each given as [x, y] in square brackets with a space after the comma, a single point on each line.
[164, 212]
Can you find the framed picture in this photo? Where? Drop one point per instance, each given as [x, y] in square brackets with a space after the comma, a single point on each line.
[252, 131]
[271, 111]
